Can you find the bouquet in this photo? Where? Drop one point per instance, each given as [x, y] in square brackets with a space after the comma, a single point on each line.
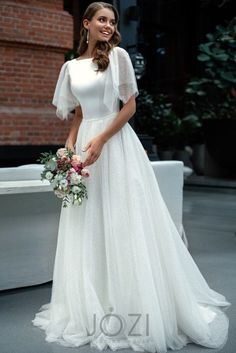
[64, 170]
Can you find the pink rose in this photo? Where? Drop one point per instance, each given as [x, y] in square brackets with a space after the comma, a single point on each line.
[65, 159]
[78, 169]
[75, 158]
[85, 173]
[75, 161]
[61, 152]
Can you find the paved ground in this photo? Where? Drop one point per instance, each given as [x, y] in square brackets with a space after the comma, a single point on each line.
[210, 225]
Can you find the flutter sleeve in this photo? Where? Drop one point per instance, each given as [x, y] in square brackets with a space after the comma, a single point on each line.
[121, 73]
[63, 98]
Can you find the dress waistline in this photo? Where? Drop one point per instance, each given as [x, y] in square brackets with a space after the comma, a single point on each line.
[108, 116]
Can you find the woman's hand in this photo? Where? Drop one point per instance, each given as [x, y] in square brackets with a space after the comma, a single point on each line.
[94, 148]
[70, 146]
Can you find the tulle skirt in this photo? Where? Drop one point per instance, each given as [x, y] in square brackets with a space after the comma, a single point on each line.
[122, 274]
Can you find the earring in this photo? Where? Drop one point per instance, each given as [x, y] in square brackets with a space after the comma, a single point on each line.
[87, 37]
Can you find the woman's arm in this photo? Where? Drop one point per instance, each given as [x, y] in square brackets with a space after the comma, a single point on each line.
[71, 140]
[95, 146]
[126, 112]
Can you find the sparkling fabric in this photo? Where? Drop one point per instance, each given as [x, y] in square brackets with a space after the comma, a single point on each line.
[122, 274]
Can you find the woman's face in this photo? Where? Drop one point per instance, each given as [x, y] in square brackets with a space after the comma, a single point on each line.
[102, 26]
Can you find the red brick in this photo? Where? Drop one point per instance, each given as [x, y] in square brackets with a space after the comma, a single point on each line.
[35, 36]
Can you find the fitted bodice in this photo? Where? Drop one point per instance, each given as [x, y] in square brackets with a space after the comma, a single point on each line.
[87, 85]
[97, 92]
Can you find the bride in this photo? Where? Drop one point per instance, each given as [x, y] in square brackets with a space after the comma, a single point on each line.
[122, 275]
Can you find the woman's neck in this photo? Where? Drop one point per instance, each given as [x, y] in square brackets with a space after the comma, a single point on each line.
[90, 50]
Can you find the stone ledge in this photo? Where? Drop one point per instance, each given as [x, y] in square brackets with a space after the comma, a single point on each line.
[24, 186]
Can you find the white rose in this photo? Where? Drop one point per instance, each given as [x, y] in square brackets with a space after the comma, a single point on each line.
[75, 179]
[59, 177]
[85, 173]
[76, 189]
[48, 175]
[59, 194]
[64, 183]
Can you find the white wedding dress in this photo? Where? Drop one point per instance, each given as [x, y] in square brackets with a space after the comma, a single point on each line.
[122, 274]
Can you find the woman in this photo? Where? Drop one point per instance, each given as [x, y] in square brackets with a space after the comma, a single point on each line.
[122, 275]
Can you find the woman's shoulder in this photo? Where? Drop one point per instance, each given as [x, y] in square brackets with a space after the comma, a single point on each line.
[68, 63]
[68, 66]
[64, 67]
[71, 62]
[120, 53]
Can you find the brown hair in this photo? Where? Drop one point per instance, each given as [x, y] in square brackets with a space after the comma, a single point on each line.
[102, 49]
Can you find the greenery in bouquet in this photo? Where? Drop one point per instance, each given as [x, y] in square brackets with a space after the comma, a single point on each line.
[213, 95]
[64, 170]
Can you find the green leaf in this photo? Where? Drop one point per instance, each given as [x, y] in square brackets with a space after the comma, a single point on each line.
[201, 93]
[209, 64]
[189, 90]
[210, 37]
[228, 76]
[205, 48]
[203, 57]
[192, 119]
[217, 50]
[227, 38]
[194, 83]
[210, 72]
[220, 85]
[221, 57]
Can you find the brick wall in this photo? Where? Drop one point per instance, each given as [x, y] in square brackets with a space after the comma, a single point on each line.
[34, 38]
